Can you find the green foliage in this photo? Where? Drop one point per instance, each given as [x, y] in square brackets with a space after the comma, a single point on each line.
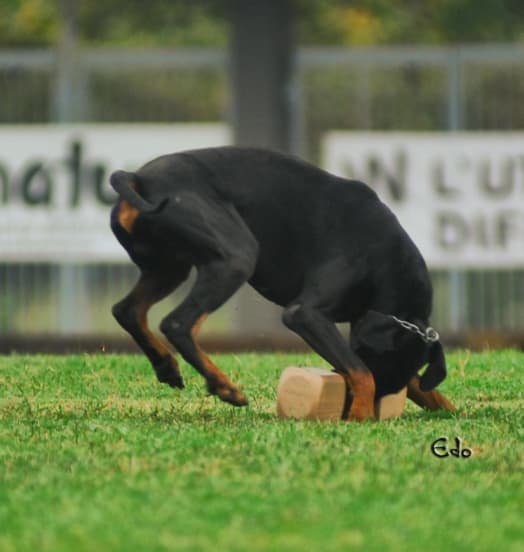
[206, 22]
[116, 22]
[29, 22]
[409, 22]
[95, 455]
[153, 23]
[151, 95]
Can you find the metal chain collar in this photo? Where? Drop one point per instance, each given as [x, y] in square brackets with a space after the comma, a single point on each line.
[430, 335]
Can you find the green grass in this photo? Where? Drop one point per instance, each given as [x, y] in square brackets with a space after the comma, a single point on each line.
[95, 455]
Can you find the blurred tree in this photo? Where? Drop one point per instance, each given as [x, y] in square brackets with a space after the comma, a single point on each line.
[409, 21]
[117, 22]
[155, 23]
[205, 22]
[29, 22]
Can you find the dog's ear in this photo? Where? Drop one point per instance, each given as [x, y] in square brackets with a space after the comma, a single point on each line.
[436, 371]
[375, 331]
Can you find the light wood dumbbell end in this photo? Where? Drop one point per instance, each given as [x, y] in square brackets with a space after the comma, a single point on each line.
[318, 394]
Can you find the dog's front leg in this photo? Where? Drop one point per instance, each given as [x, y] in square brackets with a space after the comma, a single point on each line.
[224, 252]
[216, 282]
[361, 389]
[323, 336]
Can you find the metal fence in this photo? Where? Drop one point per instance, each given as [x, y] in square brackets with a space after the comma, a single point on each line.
[471, 88]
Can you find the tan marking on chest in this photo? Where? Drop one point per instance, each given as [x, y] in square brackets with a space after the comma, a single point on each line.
[127, 216]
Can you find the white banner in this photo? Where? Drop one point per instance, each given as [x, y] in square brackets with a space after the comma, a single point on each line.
[54, 192]
[460, 196]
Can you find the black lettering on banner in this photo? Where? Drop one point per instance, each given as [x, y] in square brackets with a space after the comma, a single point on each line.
[380, 178]
[481, 231]
[395, 181]
[499, 230]
[502, 188]
[452, 231]
[75, 166]
[440, 184]
[506, 228]
[36, 185]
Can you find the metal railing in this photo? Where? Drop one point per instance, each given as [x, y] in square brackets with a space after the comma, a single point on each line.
[420, 88]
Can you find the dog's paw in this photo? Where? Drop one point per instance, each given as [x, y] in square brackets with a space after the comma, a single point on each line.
[361, 412]
[167, 372]
[229, 394]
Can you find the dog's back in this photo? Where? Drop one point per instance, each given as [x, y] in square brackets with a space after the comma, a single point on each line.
[302, 217]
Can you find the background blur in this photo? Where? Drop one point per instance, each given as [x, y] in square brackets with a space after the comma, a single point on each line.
[87, 87]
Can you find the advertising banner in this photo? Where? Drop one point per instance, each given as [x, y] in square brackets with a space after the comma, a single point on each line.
[55, 196]
[460, 196]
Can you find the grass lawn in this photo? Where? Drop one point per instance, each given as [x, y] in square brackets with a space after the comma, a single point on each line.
[95, 456]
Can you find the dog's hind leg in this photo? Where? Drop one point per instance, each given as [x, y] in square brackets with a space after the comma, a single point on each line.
[305, 316]
[131, 314]
[430, 400]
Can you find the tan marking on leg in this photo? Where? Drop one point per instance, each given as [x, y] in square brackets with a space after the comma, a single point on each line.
[197, 325]
[154, 341]
[132, 312]
[127, 216]
[219, 384]
[431, 400]
[361, 387]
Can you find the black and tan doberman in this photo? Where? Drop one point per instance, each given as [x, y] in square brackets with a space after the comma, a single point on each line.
[323, 247]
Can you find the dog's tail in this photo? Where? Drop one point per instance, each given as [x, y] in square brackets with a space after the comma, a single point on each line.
[124, 185]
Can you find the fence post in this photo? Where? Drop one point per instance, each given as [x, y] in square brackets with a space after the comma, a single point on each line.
[67, 107]
[457, 283]
[69, 87]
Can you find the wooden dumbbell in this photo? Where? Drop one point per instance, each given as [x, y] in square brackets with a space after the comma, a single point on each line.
[318, 394]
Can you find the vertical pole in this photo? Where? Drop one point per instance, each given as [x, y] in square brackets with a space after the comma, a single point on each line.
[261, 66]
[455, 122]
[67, 98]
[297, 124]
[262, 81]
[455, 115]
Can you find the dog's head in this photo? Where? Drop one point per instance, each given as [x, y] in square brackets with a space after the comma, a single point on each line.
[394, 353]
